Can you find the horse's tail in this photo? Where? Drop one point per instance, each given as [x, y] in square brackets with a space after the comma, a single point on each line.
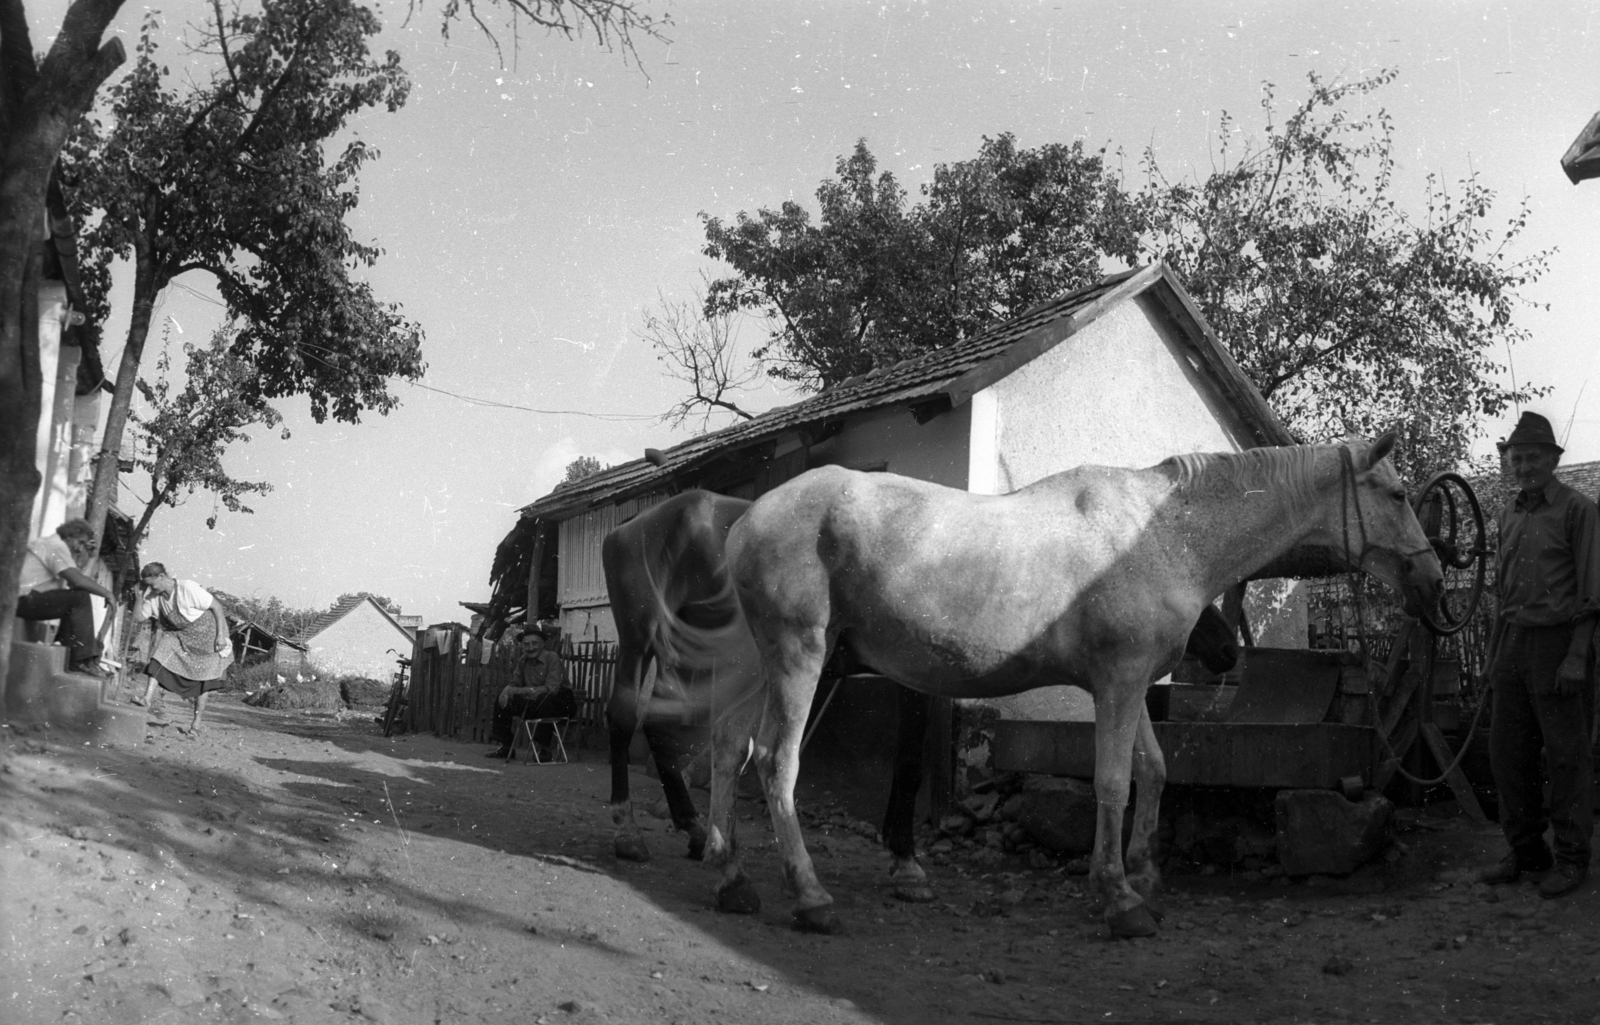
[706, 649]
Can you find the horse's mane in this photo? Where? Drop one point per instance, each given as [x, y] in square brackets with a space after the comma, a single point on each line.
[1289, 470]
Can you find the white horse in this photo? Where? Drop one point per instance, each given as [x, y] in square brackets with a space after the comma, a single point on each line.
[1092, 577]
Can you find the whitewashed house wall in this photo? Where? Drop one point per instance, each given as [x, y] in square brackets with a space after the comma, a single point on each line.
[358, 643]
[1121, 392]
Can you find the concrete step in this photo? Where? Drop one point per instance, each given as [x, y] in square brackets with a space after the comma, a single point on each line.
[39, 690]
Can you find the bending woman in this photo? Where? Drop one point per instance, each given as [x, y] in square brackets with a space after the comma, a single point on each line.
[191, 650]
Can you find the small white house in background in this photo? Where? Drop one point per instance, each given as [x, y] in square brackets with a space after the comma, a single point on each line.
[355, 637]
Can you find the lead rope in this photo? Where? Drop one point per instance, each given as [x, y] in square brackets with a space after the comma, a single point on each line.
[1390, 755]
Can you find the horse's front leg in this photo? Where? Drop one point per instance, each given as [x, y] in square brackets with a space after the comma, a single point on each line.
[731, 730]
[1150, 772]
[1118, 707]
[899, 820]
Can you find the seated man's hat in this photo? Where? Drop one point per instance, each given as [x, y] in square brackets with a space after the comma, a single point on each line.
[1533, 429]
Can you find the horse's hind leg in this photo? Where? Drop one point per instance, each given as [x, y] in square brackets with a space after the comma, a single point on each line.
[730, 749]
[1150, 772]
[910, 881]
[1118, 708]
[792, 670]
[622, 716]
[667, 746]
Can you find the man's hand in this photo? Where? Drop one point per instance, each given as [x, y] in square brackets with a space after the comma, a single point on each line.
[1570, 677]
[505, 696]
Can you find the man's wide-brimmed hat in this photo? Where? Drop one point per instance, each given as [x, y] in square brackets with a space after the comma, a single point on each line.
[1533, 429]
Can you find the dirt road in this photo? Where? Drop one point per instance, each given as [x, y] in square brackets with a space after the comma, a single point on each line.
[286, 867]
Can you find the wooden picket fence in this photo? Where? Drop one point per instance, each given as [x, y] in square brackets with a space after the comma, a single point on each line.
[453, 690]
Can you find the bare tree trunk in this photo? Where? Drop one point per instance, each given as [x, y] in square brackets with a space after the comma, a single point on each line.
[106, 471]
[38, 107]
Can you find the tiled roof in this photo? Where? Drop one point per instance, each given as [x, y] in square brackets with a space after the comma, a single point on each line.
[952, 373]
[1581, 477]
[341, 608]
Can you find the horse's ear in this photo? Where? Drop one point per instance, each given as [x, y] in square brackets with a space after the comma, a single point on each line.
[1381, 448]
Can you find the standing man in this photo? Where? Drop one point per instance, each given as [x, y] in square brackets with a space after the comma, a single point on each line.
[1543, 666]
[52, 586]
[543, 694]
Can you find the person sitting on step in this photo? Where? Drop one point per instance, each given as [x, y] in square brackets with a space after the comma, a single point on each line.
[51, 586]
[544, 694]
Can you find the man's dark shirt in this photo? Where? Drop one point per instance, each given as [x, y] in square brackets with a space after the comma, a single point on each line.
[1549, 557]
[545, 671]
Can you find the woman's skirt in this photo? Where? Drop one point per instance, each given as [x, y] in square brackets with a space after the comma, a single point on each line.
[186, 660]
[182, 686]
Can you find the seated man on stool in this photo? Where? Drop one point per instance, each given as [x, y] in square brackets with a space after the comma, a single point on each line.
[52, 587]
[544, 694]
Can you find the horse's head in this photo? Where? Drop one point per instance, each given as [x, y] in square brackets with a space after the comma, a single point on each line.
[1378, 528]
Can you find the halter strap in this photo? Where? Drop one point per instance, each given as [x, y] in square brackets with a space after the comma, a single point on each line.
[1347, 479]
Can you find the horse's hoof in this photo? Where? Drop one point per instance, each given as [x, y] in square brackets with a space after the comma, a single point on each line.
[914, 893]
[630, 848]
[697, 843]
[738, 898]
[1132, 923]
[818, 920]
[1157, 912]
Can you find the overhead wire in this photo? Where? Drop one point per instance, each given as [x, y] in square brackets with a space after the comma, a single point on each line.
[473, 399]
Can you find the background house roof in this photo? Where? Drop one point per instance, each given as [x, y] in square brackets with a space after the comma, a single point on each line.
[1581, 477]
[340, 609]
[937, 380]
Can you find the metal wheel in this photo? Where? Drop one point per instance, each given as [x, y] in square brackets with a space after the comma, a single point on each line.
[1453, 521]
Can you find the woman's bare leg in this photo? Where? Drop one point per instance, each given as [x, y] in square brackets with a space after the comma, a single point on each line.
[199, 711]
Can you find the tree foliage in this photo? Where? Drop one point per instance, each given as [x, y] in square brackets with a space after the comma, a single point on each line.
[1348, 313]
[875, 281]
[270, 612]
[230, 176]
[387, 603]
[187, 431]
[579, 468]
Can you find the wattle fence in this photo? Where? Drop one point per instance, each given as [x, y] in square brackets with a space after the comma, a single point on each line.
[455, 681]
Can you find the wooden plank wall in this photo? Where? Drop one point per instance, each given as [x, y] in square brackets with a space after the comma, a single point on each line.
[453, 693]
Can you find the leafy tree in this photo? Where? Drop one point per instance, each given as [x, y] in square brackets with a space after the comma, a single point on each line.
[270, 612]
[874, 281]
[41, 101]
[187, 432]
[581, 467]
[229, 177]
[1346, 312]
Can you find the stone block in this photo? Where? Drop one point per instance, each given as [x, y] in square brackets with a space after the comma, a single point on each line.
[1059, 813]
[1319, 832]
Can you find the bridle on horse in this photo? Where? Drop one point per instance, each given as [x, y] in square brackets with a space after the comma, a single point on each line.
[1347, 481]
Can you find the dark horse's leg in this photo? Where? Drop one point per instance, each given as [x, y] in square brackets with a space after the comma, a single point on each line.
[622, 716]
[911, 882]
[666, 745]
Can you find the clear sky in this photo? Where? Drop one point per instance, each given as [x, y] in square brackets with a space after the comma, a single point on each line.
[529, 213]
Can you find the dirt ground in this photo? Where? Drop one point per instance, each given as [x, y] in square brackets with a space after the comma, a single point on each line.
[302, 868]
